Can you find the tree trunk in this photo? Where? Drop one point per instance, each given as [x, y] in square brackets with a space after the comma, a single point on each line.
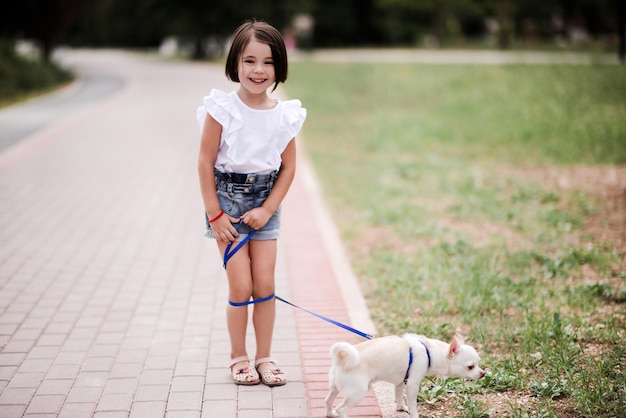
[46, 46]
[504, 20]
[621, 28]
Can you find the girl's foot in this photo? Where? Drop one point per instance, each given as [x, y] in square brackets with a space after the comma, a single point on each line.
[242, 373]
[269, 373]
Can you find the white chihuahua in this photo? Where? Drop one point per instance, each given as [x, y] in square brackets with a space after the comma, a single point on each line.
[396, 360]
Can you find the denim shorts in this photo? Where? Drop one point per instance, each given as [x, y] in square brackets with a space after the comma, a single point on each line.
[239, 193]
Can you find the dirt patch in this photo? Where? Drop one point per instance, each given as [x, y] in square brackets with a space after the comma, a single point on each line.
[608, 183]
[607, 225]
[487, 233]
[501, 405]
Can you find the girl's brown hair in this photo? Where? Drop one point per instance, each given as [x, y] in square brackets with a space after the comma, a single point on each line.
[262, 32]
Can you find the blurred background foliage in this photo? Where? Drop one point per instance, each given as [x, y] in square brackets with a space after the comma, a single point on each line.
[203, 26]
[200, 29]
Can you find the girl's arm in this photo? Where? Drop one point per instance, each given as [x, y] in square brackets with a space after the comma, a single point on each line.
[258, 217]
[209, 145]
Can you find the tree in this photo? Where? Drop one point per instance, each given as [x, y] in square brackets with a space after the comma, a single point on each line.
[115, 22]
[44, 21]
[621, 29]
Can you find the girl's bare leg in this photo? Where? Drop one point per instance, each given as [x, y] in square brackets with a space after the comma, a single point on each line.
[263, 263]
[239, 290]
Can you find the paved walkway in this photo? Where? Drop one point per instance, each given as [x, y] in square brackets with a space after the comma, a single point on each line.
[112, 303]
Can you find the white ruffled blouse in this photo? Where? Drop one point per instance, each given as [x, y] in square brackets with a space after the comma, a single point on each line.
[252, 139]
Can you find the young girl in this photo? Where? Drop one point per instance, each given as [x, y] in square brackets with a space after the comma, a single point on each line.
[247, 163]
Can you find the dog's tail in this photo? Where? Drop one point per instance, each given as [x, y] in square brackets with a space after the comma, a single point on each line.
[344, 355]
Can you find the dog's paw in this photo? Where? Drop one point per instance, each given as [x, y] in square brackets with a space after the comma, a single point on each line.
[332, 414]
[403, 408]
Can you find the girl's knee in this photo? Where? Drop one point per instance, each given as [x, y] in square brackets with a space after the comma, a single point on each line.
[240, 295]
[263, 291]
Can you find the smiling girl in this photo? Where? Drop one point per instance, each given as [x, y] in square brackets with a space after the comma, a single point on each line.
[246, 165]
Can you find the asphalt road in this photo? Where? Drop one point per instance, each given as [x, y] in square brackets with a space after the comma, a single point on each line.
[94, 82]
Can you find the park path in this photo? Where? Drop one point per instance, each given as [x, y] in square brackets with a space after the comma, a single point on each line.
[112, 303]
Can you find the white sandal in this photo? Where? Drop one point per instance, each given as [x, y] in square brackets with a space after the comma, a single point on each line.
[270, 377]
[246, 376]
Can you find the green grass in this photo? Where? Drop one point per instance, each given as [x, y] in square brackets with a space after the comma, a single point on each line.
[21, 78]
[431, 170]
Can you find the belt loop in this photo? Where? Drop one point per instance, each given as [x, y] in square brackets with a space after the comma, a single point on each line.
[274, 177]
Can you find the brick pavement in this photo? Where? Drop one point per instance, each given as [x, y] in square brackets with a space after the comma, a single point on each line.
[112, 303]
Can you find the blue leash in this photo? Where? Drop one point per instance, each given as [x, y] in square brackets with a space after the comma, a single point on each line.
[228, 254]
[332, 321]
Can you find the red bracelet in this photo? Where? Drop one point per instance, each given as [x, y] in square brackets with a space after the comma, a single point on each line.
[216, 217]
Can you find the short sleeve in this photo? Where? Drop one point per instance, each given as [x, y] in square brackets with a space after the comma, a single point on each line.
[294, 116]
[221, 107]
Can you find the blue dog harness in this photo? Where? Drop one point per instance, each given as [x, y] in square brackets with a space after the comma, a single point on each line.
[406, 376]
[427, 352]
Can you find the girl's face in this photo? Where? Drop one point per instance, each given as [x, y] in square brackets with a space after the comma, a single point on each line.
[256, 68]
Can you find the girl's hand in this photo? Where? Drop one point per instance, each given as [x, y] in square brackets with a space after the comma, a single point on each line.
[223, 228]
[257, 217]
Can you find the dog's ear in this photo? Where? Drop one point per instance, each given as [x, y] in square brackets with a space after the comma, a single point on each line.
[455, 345]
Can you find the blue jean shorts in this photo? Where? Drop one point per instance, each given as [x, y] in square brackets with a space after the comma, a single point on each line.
[239, 193]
